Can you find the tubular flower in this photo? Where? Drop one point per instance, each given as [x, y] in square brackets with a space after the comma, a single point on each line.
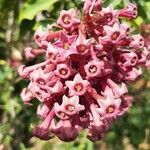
[129, 12]
[78, 86]
[113, 34]
[87, 63]
[110, 16]
[68, 19]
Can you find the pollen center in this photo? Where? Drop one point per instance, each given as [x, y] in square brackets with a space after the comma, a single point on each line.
[51, 56]
[108, 17]
[63, 71]
[61, 113]
[141, 42]
[70, 108]
[110, 109]
[92, 69]
[66, 46]
[78, 87]
[133, 60]
[66, 19]
[115, 35]
[41, 81]
[81, 48]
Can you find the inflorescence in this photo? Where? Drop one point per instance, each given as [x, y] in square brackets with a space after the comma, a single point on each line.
[81, 84]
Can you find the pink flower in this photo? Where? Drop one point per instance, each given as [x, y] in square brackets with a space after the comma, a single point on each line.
[94, 68]
[43, 110]
[96, 127]
[78, 86]
[82, 82]
[65, 41]
[40, 37]
[67, 19]
[142, 56]
[126, 103]
[118, 91]
[57, 88]
[69, 106]
[42, 131]
[137, 42]
[90, 6]
[127, 59]
[82, 44]
[38, 92]
[66, 130]
[72, 105]
[24, 72]
[109, 108]
[40, 77]
[26, 96]
[130, 11]
[32, 53]
[53, 54]
[60, 112]
[57, 54]
[133, 74]
[63, 71]
[113, 34]
[126, 28]
[28, 53]
[110, 16]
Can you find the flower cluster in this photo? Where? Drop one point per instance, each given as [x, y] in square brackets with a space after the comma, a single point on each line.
[145, 28]
[81, 84]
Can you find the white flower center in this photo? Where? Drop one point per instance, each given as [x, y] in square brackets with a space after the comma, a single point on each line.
[92, 69]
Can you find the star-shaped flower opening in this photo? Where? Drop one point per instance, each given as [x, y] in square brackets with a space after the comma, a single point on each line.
[82, 44]
[71, 105]
[93, 68]
[110, 15]
[67, 19]
[78, 86]
[63, 71]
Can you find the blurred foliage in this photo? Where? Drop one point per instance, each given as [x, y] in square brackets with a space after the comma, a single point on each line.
[18, 20]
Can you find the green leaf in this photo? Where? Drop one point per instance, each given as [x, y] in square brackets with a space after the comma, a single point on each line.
[114, 3]
[32, 7]
[43, 23]
[89, 145]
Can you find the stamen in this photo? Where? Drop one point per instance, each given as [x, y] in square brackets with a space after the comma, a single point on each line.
[141, 42]
[78, 87]
[115, 35]
[133, 61]
[92, 69]
[70, 108]
[81, 48]
[66, 19]
[61, 113]
[66, 46]
[41, 81]
[108, 17]
[63, 71]
[110, 109]
[51, 56]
